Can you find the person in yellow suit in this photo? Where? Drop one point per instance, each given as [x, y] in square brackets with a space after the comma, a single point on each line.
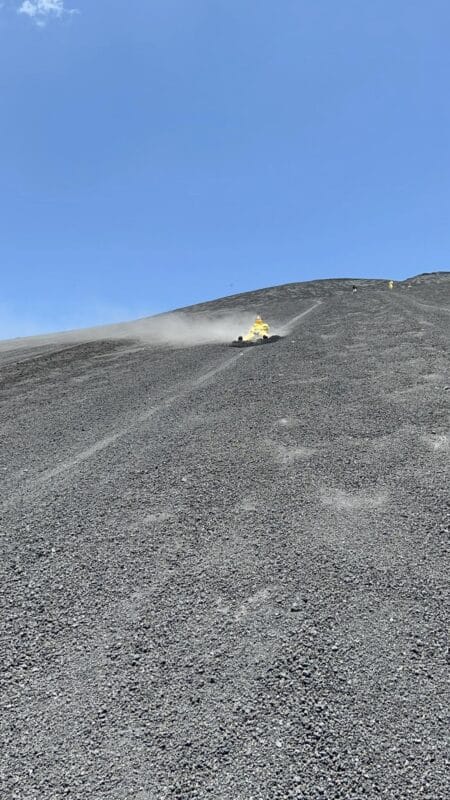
[257, 331]
[391, 284]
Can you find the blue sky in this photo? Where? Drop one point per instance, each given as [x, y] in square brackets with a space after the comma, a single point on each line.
[158, 153]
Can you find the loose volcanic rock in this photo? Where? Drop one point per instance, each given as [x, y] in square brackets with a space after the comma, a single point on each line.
[224, 574]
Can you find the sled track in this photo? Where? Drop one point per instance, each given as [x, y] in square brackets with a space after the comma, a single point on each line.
[32, 486]
[286, 328]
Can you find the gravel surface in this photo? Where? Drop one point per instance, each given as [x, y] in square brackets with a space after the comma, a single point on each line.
[225, 575]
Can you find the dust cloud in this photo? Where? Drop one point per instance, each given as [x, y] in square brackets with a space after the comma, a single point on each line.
[173, 328]
[187, 330]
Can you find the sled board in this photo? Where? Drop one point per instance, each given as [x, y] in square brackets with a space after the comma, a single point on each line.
[256, 342]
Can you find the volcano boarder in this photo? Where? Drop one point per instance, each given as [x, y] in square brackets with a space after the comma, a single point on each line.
[259, 330]
[259, 333]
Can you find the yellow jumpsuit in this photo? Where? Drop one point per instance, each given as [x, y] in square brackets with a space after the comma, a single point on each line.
[257, 331]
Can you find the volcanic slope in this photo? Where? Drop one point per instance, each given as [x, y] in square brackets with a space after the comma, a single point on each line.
[224, 573]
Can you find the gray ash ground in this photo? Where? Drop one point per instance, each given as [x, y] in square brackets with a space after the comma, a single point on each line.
[225, 575]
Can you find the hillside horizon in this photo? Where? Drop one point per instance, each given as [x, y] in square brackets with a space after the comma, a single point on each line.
[306, 286]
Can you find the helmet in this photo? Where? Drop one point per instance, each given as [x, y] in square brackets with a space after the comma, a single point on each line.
[258, 318]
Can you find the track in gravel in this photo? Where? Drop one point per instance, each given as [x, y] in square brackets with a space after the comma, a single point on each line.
[74, 461]
[28, 487]
[225, 575]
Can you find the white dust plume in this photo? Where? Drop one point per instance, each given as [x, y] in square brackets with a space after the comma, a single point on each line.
[176, 329]
[186, 330]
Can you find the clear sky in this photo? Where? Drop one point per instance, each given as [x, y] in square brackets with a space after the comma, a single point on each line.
[156, 153]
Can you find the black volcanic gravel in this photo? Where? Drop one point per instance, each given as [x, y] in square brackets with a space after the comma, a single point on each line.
[225, 574]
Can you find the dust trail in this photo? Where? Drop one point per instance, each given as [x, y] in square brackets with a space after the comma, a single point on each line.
[185, 330]
[174, 328]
